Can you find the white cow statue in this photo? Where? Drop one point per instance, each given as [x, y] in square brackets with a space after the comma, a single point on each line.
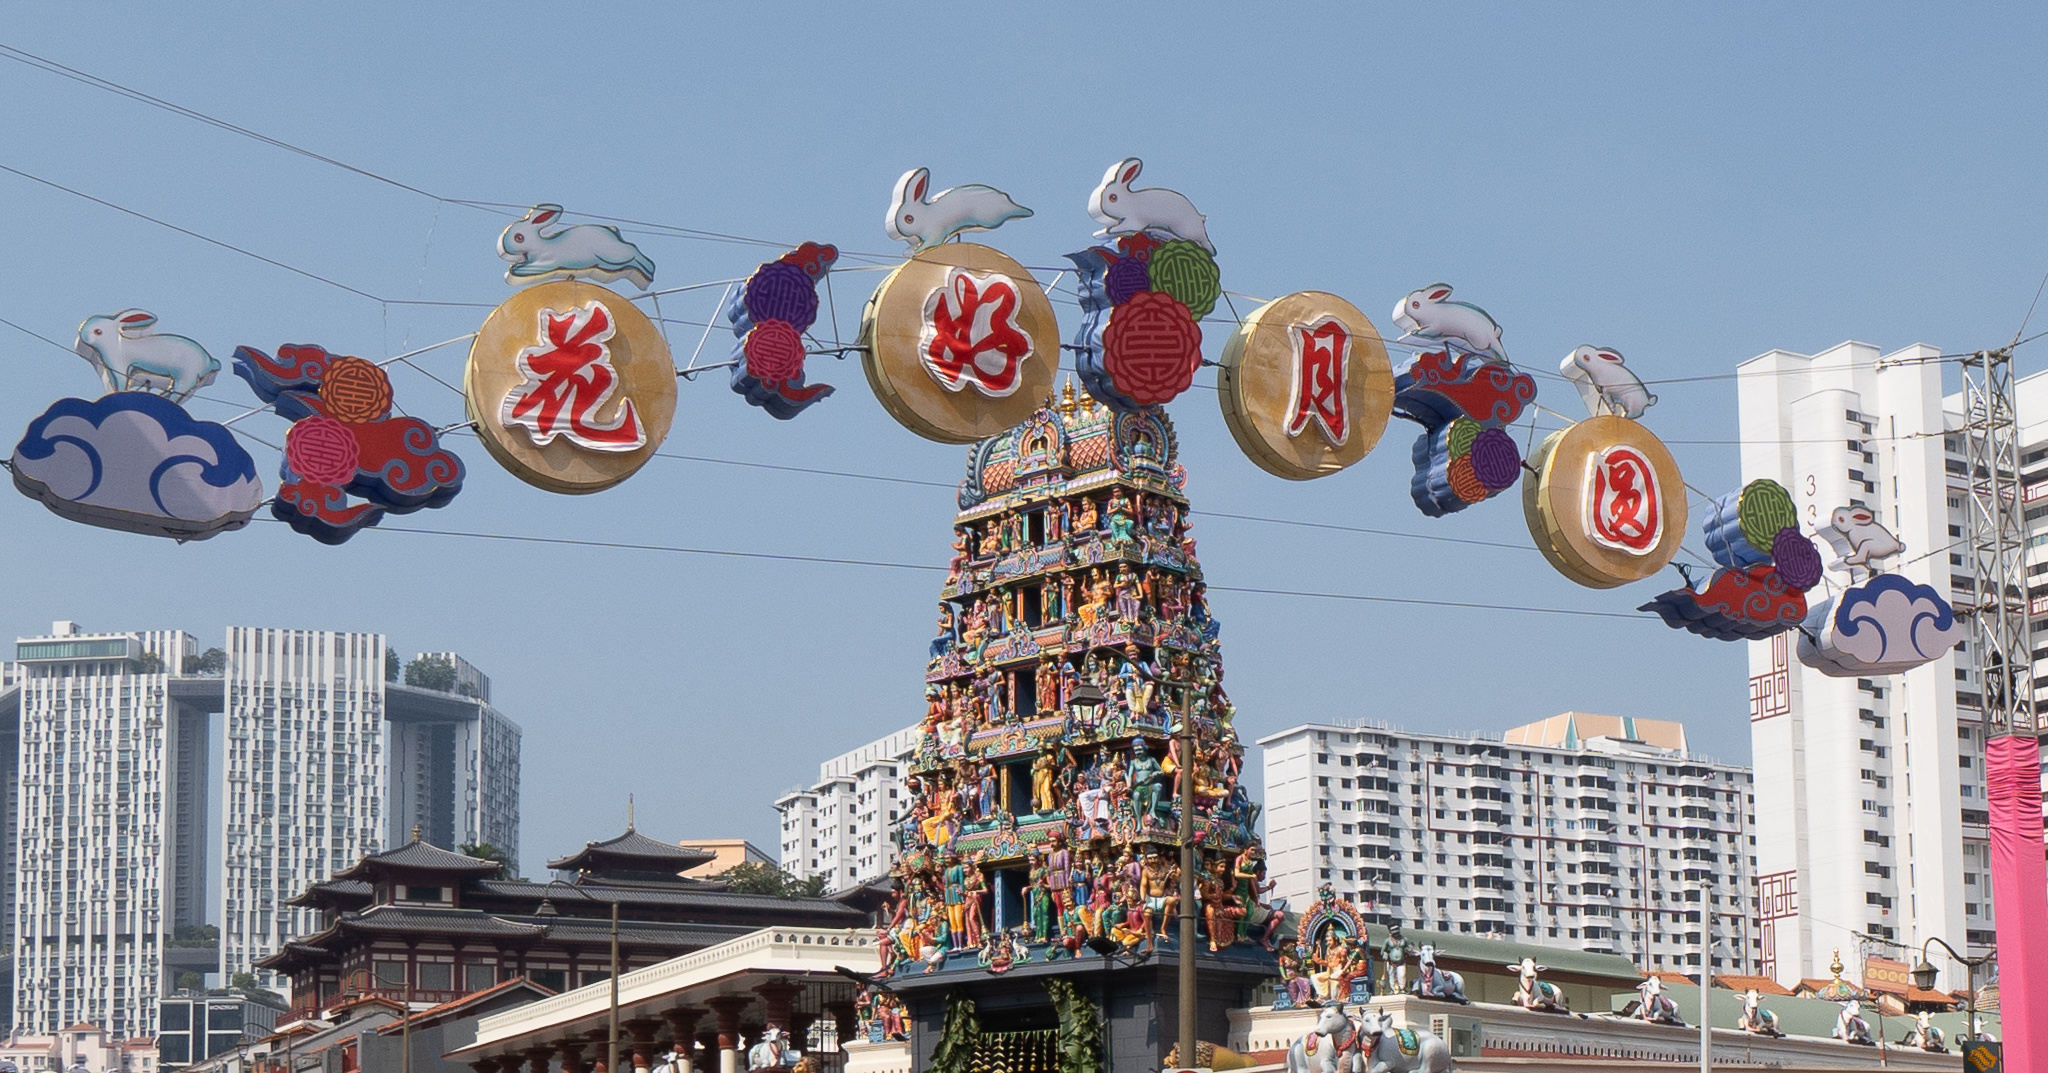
[1332, 1046]
[1388, 1049]
[1850, 1027]
[1754, 1019]
[1657, 1007]
[1534, 994]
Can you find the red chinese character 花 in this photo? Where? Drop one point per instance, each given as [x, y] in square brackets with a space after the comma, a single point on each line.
[1623, 508]
[1322, 354]
[568, 379]
[971, 334]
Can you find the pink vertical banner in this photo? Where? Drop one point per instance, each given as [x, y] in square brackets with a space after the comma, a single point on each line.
[2019, 887]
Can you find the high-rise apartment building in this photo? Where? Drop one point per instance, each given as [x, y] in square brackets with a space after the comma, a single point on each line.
[1591, 831]
[843, 828]
[1871, 791]
[107, 821]
[105, 754]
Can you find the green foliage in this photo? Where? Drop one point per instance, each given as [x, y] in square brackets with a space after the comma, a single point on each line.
[431, 672]
[1080, 1034]
[390, 665]
[190, 981]
[243, 981]
[962, 1029]
[195, 935]
[749, 877]
[212, 663]
[150, 663]
[484, 851]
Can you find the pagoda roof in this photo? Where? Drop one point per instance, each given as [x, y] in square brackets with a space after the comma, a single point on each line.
[495, 995]
[334, 893]
[633, 852]
[681, 893]
[416, 856]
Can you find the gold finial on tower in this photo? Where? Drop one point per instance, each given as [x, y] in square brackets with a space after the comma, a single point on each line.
[629, 812]
[415, 832]
[1836, 965]
[1067, 398]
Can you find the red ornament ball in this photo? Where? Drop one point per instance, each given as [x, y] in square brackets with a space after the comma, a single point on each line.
[775, 351]
[321, 449]
[1151, 348]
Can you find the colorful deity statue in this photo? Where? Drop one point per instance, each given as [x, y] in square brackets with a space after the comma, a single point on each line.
[1072, 639]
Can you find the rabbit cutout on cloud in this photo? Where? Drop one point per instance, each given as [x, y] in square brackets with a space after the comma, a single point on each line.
[1429, 315]
[1124, 211]
[540, 249]
[1860, 539]
[925, 222]
[1605, 382]
[129, 357]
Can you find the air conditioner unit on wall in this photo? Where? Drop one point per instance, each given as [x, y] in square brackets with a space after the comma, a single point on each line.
[1464, 1035]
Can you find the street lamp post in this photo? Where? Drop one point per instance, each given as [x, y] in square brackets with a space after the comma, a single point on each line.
[1924, 975]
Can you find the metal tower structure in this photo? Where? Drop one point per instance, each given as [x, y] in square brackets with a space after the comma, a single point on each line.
[1996, 538]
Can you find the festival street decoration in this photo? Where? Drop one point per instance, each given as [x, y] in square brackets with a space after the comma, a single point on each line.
[1880, 623]
[1605, 383]
[1607, 506]
[570, 386]
[134, 460]
[959, 342]
[1463, 393]
[344, 442]
[1074, 637]
[1143, 293]
[924, 220]
[1305, 385]
[541, 249]
[769, 315]
[1765, 567]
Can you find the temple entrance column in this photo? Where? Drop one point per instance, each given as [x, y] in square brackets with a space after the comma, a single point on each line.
[682, 1025]
[780, 996]
[571, 1051]
[728, 1009]
[539, 1059]
[845, 1020]
[642, 1031]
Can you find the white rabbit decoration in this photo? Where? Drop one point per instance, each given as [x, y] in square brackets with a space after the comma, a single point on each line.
[925, 222]
[1605, 382]
[1428, 314]
[129, 356]
[1124, 211]
[1860, 539]
[541, 249]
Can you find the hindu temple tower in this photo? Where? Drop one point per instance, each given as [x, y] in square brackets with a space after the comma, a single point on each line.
[1040, 873]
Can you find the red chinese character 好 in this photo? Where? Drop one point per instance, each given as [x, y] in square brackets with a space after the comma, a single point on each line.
[568, 379]
[1322, 354]
[971, 334]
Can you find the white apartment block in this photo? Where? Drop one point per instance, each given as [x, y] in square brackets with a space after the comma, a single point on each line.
[1872, 789]
[454, 763]
[843, 828]
[96, 860]
[1590, 831]
[305, 777]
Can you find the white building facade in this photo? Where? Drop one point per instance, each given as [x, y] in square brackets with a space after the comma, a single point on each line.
[843, 827]
[94, 858]
[1591, 831]
[1871, 790]
[305, 779]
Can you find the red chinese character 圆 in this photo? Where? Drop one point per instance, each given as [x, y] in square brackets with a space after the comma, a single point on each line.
[1322, 354]
[1623, 508]
[568, 379]
[971, 335]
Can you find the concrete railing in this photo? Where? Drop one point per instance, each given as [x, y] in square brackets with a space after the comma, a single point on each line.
[792, 950]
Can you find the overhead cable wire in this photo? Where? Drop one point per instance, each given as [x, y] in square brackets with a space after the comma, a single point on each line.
[931, 568]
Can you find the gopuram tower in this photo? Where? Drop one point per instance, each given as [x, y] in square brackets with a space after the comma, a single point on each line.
[1040, 875]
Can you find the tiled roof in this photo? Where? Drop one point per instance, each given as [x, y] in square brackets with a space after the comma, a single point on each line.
[466, 1001]
[633, 852]
[387, 918]
[417, 855]
[335, 890]
[1762, 985]
[680, 894]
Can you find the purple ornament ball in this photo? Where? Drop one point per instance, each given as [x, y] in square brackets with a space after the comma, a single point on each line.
[1126, 278]
[1798, 561]
[782, 291]
[1495, 461]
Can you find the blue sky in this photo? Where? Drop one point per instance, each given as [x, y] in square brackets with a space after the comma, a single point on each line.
[1691, 187]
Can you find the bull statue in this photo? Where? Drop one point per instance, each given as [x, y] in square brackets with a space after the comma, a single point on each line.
[1754, 1019]
[1332, 1046]
[1657, 1007]
[1534, 994]
[1850, 1027]
[1388, 1049]
[1432, 982]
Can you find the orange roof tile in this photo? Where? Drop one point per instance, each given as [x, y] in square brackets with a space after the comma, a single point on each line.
[1761, 984]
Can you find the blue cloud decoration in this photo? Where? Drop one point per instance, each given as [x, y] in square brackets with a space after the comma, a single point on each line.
[1884, 626]
[138, 463]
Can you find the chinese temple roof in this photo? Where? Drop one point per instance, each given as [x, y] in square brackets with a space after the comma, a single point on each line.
[416, 856]
[335, 894]
[635, 854]
[500, 995]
